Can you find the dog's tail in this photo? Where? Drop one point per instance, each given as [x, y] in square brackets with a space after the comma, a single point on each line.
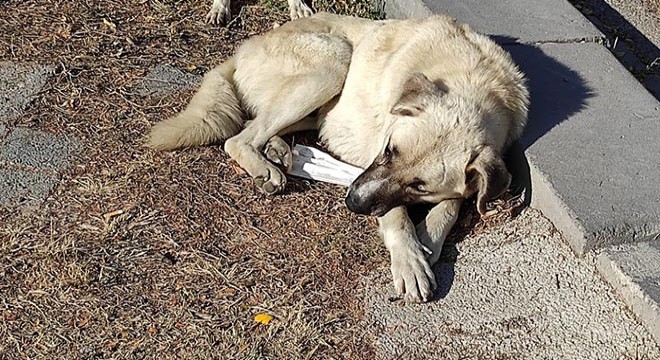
[214, 114]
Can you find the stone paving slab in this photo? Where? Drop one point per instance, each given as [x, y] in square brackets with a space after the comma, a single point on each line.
[29, 159]
[19, 84]
[22, 187]
[38, 149]
[522, 20]
[634, 271]
[593, 136]
[166, 79]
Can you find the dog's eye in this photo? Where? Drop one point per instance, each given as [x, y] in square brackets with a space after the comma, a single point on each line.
[390, 151]
[387, 156]
[418, 186]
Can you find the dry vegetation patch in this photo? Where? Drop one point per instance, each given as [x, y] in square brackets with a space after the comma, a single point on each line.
[138, 254]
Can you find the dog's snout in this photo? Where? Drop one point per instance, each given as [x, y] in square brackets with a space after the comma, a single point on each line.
[365, 197]
[357, 204]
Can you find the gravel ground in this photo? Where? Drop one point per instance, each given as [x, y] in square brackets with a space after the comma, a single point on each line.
[643, 14]
[514, 291]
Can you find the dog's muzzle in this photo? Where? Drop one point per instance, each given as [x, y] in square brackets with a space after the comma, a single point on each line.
[356, 205]
[363, 198]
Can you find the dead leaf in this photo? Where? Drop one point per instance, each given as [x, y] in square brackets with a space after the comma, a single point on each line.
[225, 292]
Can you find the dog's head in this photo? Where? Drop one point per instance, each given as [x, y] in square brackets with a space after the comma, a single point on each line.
[439, 147]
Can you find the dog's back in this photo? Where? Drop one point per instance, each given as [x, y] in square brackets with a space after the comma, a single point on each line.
[468, 66]
[218, 110]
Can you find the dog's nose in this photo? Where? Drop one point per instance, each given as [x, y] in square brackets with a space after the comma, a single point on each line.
[356, 205]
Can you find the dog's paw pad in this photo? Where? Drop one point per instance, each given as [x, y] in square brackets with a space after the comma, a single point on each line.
[279, 152]
[271, 184]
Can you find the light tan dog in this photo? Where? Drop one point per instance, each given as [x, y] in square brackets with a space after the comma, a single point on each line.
[220, 12]
[426, 106]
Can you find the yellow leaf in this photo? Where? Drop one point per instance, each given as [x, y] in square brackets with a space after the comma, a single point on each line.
[263, 318]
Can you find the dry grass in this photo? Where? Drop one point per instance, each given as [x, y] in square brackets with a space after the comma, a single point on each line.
[138, 254]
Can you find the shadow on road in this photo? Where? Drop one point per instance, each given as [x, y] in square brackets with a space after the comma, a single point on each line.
[556, 91]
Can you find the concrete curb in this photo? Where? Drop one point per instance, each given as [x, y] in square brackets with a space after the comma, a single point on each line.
[545, 198]
[636, 279]
[591, 135]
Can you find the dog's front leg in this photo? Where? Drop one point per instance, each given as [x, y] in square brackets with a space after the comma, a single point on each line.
[411, 271]
[433, 231]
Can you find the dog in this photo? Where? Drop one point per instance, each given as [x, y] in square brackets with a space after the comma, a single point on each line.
[220, 12]
[425, 106]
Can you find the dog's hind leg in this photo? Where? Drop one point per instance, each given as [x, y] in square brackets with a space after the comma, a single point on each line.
[278, 151]
[281, 88]
[305, 94]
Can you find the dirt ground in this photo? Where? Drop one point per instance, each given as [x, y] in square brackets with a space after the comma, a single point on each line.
[197, 252]
[139, 254]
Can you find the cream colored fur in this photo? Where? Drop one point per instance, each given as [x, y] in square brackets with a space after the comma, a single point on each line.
[205, 119]
[426, 106]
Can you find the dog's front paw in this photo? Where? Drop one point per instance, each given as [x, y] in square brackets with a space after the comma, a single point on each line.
[413, 277]
[218, 15]
[272, 182]
[300, 10]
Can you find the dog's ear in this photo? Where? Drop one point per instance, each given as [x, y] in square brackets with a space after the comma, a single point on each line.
[417, 92]
[487, 174]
